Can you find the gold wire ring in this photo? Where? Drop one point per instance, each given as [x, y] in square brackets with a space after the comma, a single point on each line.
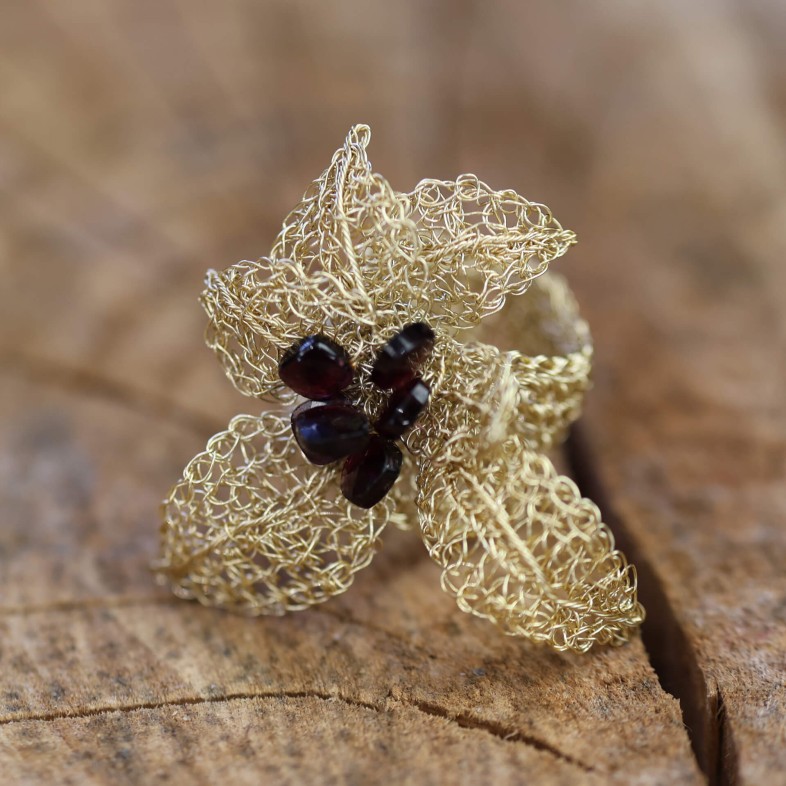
[252, 526]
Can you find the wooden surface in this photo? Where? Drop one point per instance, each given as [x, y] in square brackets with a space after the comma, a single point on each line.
[142, 142]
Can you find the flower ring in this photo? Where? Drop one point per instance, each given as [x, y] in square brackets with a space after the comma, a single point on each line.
[366, 291]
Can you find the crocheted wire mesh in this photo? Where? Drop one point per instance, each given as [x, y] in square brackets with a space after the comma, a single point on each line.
[253, 526]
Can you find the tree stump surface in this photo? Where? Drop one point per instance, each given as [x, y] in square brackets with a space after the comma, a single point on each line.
[143, 142]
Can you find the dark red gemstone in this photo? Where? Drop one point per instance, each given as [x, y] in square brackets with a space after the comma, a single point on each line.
[316, 367]
[404, 406]
[369, 474]
[330, 430]
[398, 361]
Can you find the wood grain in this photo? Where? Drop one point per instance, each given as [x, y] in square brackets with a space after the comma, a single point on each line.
[142, 142]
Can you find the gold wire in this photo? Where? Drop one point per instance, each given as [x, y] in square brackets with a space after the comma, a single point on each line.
[252, 526]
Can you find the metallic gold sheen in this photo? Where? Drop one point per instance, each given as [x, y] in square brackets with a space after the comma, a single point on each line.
[252, 526]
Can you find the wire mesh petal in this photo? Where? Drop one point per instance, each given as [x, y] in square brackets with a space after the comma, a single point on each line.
[346, 262]
[520, 547]
[254, 527]
[480, 246]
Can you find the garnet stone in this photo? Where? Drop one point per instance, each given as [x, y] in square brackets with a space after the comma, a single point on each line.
[404, 406]
[369, 474]
[398, 361]
[328, 431]
[316, 367]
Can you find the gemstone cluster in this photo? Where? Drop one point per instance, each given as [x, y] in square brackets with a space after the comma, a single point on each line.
[329, 428]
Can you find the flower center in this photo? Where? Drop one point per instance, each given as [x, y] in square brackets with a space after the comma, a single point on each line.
[329, 428]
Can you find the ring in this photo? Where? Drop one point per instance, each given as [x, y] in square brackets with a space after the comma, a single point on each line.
[353, 324]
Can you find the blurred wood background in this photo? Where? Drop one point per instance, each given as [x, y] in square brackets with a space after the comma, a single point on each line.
[143, 142]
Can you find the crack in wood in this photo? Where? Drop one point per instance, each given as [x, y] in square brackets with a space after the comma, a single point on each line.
[428, 709]
[668, 646]
[185, 701]
[727, 764]
[469, 722]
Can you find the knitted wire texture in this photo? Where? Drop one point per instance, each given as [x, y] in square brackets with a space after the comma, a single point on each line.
[252, 526]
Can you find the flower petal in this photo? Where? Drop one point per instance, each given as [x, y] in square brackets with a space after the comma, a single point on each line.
[520, 547]
[351, 235]
[254, 527]
[346, 263]
[479, 246]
